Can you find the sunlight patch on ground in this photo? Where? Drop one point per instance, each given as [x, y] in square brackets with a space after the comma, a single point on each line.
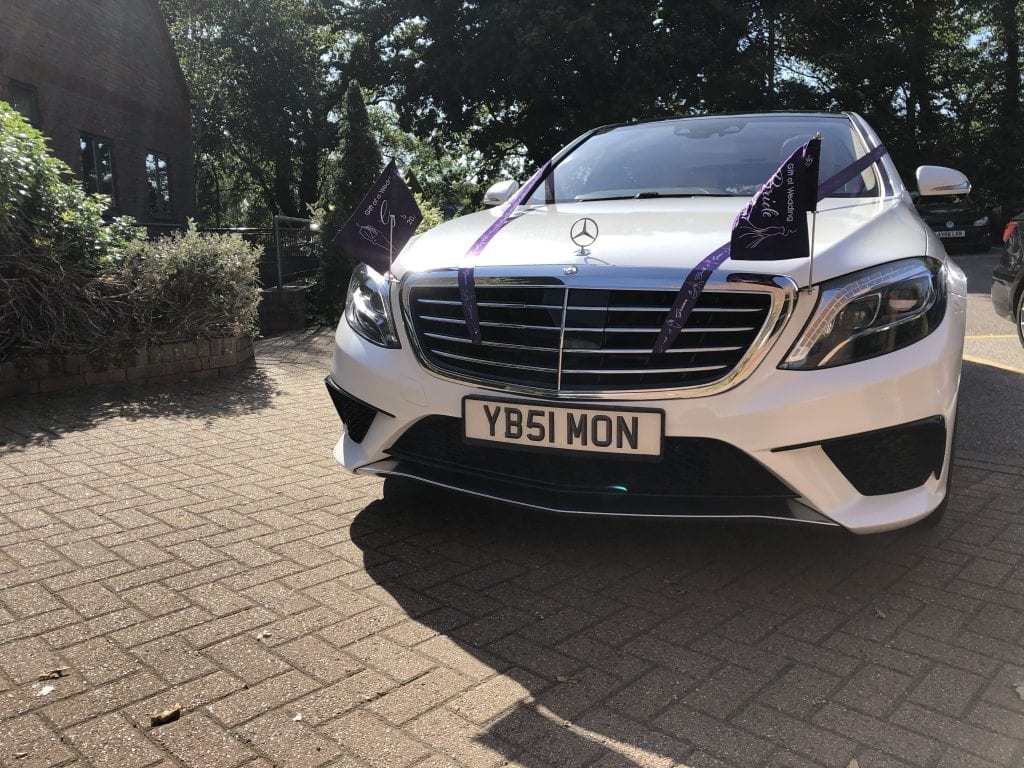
[992, 364]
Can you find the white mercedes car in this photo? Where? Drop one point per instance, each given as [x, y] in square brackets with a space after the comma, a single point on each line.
[819, 389]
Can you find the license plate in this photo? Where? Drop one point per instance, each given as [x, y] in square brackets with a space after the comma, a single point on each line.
[950, 233]
[563, 428]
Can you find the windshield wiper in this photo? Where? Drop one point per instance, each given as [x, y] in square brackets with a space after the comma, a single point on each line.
[650, 196]
[646, 195]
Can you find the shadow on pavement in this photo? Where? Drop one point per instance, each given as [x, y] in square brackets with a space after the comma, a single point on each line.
[40, 419]
[991, 411]
[637, 642]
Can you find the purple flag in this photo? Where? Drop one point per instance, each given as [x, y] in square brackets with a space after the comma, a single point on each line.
[369, 234]
[774, 223]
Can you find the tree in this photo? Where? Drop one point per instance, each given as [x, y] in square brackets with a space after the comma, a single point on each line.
[258, 73]
[355, 167]
[522, 79]
[350, 175]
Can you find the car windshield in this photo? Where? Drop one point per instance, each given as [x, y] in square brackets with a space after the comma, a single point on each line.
[704, 156]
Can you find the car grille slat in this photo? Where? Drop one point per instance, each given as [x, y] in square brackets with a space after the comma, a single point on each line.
[479, 361]
[560, 339]
[685, 350]
[738, 329]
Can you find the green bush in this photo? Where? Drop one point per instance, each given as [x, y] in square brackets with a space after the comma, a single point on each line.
[72, 282]
[43, 210]
[54, 247]
[192, 286]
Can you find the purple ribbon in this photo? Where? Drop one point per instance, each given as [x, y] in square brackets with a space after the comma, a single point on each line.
[858, 166]
[698, 277]
[467, 282]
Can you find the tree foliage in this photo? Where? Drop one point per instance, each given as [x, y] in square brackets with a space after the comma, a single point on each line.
[259, 74]
[72, 282]
[466, 91]
[350, 172]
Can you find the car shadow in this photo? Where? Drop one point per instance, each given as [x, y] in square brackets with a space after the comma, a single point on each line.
[991, 414]
[653, 642]
[40, 419]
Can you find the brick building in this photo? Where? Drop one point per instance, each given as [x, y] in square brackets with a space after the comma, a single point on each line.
[101, 79]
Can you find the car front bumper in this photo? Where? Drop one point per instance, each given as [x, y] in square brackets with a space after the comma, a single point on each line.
[799, 445]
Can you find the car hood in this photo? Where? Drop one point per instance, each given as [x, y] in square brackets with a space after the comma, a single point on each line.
[670, 233]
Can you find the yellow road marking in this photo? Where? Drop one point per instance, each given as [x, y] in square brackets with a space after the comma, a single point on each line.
[993, 364]
[993, 336]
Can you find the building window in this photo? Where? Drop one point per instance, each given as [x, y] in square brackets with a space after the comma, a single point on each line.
[98, 166]
[24, 99]
[159, 182]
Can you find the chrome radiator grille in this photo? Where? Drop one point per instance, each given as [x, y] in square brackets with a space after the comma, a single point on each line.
[543, 335]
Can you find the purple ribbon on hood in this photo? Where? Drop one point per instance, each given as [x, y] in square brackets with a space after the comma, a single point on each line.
[467, 283]
[698, 277]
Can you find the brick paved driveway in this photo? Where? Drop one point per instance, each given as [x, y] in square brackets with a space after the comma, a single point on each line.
[199, 545]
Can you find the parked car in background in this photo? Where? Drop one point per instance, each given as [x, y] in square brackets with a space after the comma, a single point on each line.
[957, 221]
[1008, 276]
[819, 391]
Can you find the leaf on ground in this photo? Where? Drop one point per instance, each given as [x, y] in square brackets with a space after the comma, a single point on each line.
[1019, 688]
[879, 614]
[167, 716]
[853, 764]
[46, 690]
[53, 674]
[572, 679]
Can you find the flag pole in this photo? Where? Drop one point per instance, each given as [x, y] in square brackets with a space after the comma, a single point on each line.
[391, 241]
[814, 221]
[810, 261]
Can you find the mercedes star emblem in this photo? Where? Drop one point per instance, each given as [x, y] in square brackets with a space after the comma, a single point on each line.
[949, 225]
[583, 233]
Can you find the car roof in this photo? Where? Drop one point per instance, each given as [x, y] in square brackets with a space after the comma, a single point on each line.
[768, 114]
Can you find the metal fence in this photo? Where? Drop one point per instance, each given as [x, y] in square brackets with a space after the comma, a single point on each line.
[288, 249]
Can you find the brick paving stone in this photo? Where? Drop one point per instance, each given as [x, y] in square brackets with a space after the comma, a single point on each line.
[195, 740]
[418, 695]
[725, 691]
[245, 704]
[112, 741]
[456, 738]
[196, 543]
[947, 690]
[390, 658]
[977, 741]
[800, 690]
[289, 742]
[715, 736]
[174, 660]
[881, 734]
[101, 699]
[247, 658]
[375, 741]
[874, 689]
[817, 743]
[28, 600]
[31, 736]
[24, 660]
[318, 659]
[100, 661]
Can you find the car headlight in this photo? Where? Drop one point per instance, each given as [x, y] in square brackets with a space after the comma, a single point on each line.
[982, 222]
[368, 307]
[870, 313]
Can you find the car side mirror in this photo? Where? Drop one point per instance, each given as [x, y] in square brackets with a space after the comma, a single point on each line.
[500, 192]
[938, 180]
